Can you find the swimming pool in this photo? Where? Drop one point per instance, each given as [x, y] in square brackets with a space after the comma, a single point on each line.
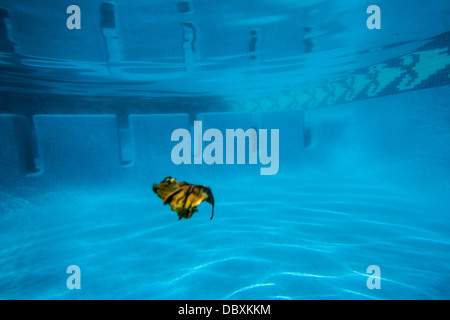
[363, 163]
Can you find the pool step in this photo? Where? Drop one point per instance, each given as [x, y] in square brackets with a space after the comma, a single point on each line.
[88, 149]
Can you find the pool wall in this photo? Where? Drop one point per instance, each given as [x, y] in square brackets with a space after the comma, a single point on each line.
[407, 133]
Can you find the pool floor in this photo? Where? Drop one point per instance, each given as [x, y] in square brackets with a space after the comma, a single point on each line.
[266, 241]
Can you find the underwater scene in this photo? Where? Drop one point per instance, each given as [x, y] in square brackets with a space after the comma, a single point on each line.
[224, 150]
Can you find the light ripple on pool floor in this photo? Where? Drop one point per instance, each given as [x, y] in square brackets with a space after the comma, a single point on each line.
[192, 270]
[251, 287]
[321, 236]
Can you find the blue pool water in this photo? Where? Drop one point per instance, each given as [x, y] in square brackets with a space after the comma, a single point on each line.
[290, 237]
[364, 157]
